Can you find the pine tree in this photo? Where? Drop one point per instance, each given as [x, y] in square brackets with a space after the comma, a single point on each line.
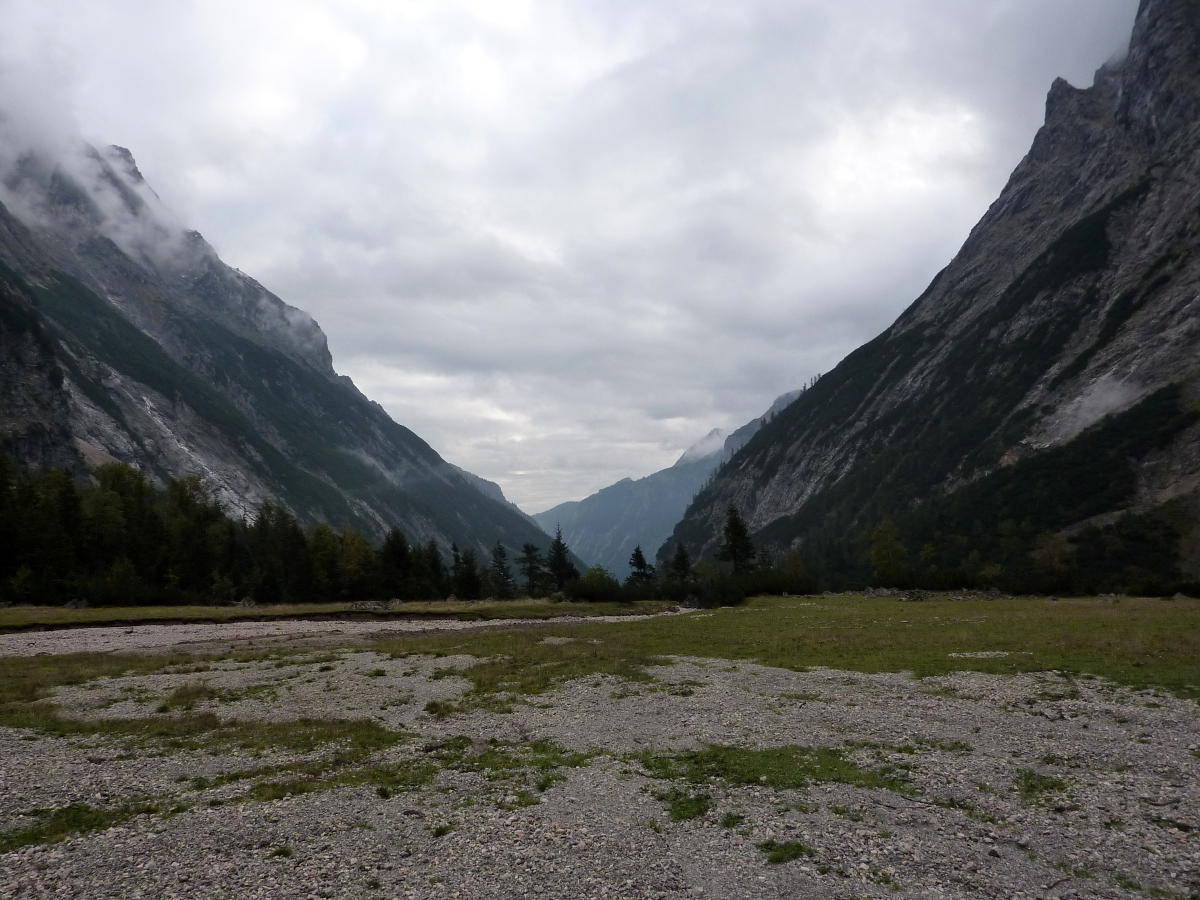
[680, 568]
[395, 565]
[501, 574]
[736, 548]
[467, 581]
[435, 571]
[641, 572]
[558, 561]
[529, 563]
[889, 556]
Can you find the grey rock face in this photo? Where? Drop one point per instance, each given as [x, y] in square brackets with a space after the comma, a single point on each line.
[126, 338]
[1074, 298]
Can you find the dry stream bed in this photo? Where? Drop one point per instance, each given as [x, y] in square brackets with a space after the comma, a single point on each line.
[400, 769]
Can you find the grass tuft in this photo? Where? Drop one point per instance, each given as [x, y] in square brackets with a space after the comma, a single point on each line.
[683, 805]
[1033, 787]
[778, 853]
[55, 825]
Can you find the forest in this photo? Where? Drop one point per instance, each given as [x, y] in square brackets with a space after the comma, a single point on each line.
[115, 538]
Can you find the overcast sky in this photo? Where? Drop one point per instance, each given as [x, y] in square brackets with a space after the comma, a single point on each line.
[563, 240]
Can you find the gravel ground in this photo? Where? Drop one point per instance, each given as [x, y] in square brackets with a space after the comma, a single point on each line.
[1116, 815]
[210, 635]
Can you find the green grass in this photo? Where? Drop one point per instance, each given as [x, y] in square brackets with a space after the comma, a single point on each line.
[18, 617]
[778, 853]
[775, 767]
[1138, 642]
[526, 769]
[327, 775]
[59, 824]
[683, 805]
[27, 682]
[1033, 787]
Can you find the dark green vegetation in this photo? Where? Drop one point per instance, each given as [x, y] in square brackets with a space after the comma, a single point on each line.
[1011, 529]
[78, 818]
[778, 853]
[1034, 787]
[116, 540]
[683, 805]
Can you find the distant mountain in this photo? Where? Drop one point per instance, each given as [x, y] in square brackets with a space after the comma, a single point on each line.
[605, 527]
[1035, 411]
[125, 337]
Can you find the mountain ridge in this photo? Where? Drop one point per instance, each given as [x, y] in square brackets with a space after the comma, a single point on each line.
[1072, 300]
[142, 346]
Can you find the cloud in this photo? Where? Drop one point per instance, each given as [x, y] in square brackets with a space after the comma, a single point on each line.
[562, 241]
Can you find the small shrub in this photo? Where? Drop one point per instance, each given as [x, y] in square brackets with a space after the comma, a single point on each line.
[596, 585]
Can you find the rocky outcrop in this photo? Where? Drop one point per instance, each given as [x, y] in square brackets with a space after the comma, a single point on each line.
[1073, 303]
[126, 338]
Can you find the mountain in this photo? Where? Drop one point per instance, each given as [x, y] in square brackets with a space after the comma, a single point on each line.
[125, 337]
[1035, 412]
[605, 527]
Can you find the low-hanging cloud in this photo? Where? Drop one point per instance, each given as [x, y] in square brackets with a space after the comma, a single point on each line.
[562, 241]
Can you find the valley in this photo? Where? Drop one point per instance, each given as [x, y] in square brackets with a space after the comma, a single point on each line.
[823, 746]
[926, 628]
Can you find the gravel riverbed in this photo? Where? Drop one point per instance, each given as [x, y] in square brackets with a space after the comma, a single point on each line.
[1039, 785]
[206, 636]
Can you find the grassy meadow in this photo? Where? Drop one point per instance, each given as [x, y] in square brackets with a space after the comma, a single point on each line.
[1137, 642]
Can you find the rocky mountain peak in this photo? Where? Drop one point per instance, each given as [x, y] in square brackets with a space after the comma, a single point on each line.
[1067, 322]
[710, 444]
[122, 157]
[1161, 74]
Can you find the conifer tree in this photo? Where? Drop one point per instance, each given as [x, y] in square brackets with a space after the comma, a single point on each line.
[680, 568]
[736, 547]
[467, 581]
[435, 570]
[641, 572]
[395, 565]
[558, 561]
[501, 574]
[529, 563]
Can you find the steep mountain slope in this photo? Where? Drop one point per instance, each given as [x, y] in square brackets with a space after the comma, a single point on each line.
[127, 338]
[605, 527]
[1045, 386]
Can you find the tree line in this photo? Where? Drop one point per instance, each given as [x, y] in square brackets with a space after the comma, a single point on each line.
[116, 539]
